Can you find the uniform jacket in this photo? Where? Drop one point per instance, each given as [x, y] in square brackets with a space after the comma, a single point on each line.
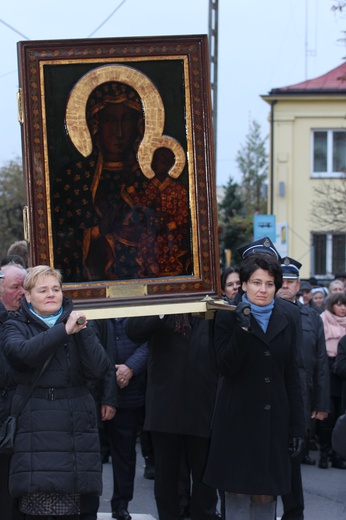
[57, 444]
[260, 405]
[315, 358]
[121, 350]
[182, 377]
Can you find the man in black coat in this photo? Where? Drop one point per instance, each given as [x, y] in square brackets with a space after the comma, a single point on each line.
[317, 377]
[105, 395]
[181, 389]
[129, 366]
[11, 290]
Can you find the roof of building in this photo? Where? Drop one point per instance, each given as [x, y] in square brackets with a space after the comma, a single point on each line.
[332, 81]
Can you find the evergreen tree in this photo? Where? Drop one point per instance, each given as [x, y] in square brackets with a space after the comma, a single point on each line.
[241, 202]
[233, 225]
[232, 202]
[252, 160]
[12, 202]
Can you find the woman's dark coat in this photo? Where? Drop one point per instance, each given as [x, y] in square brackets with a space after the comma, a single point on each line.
[260, 406]
[339, 371]
[182, 377]
[57, 444]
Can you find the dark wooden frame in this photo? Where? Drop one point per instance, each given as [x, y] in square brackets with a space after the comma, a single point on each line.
[40, 63]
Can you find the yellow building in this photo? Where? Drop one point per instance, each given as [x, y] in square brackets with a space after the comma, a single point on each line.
[307, 155]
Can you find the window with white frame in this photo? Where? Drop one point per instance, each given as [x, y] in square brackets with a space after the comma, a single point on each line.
[328, 153]
[329, 253]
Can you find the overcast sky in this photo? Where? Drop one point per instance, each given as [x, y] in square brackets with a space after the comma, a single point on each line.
[262, 45]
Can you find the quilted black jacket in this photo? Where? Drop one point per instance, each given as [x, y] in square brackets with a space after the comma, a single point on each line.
[57, 443]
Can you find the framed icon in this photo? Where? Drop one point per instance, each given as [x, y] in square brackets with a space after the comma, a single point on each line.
[119, 166]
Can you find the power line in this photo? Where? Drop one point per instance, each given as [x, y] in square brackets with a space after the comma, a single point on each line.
[15, 30]
[106, 20]
[90, 35]
[26, 37]
[8, 73]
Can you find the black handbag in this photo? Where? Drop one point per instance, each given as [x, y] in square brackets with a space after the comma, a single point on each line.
[7, 433]
[9, 425]
[339, 436]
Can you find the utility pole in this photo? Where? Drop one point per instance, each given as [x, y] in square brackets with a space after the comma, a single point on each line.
[213, 51]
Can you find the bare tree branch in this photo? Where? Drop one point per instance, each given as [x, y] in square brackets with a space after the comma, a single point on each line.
[338, 6]
[329, 205]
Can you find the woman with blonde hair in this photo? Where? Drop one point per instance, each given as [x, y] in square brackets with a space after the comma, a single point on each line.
[56, 457]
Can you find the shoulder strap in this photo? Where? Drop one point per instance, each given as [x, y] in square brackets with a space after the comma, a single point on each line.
[34, 384]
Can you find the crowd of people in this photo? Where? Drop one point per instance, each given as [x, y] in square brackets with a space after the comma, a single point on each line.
[226, 408]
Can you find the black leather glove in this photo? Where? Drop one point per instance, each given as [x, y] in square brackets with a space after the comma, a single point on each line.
[242, 312]
[296, 447]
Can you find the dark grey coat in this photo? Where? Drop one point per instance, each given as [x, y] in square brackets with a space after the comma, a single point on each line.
[7, 382]
[57, 444]
[121, 350]
[260, 406]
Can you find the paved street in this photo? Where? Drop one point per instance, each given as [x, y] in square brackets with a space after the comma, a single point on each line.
[325, 494]
[142, 506]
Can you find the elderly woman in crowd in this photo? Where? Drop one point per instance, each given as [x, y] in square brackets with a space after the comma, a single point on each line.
[57, 454]
[336, 286]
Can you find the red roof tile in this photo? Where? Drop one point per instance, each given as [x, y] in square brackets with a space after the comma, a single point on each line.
[334, 80]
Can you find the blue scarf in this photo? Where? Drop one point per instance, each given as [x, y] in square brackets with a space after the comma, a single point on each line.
[261, 313]
[48, 320]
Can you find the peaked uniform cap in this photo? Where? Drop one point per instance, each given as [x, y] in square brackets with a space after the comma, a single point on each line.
[290, 267]
[263, 245]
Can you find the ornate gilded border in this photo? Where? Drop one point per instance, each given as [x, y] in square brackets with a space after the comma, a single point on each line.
[33, 58]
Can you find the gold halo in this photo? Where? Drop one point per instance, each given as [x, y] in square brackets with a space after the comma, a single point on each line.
[154, 111]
